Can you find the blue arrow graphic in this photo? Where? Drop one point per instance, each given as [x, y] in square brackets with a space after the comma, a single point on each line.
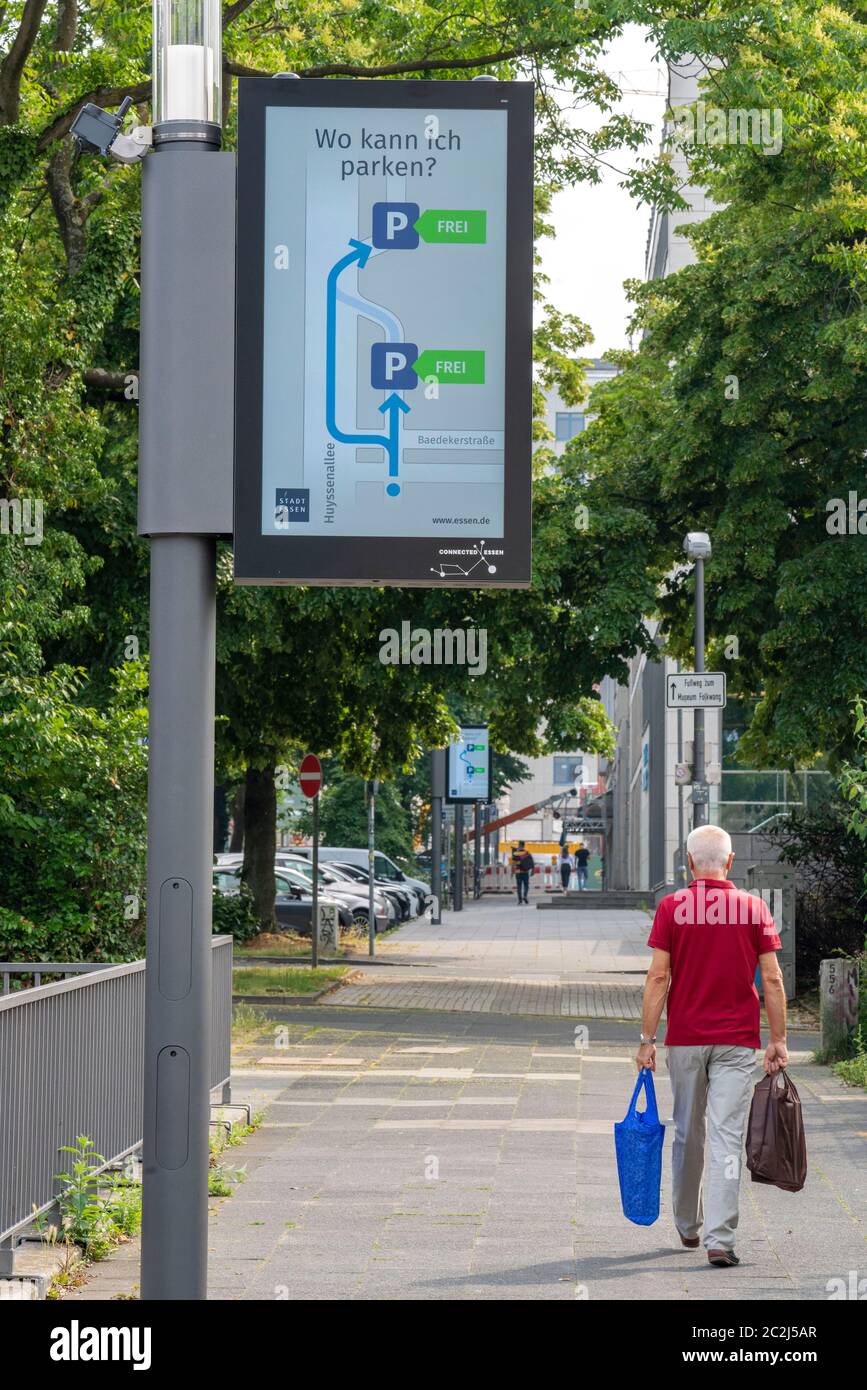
[393, 405]
[391, 442]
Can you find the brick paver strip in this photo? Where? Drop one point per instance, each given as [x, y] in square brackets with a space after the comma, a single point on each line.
[495, 996]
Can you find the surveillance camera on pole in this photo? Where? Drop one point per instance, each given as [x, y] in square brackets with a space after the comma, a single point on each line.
[96, 131]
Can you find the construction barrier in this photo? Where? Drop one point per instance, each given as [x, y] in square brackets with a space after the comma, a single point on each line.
[497, 878]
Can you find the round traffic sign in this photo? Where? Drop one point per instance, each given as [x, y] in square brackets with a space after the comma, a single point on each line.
[310, 775]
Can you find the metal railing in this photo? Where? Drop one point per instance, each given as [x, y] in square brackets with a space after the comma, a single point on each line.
[37, 969]
[71, 1063]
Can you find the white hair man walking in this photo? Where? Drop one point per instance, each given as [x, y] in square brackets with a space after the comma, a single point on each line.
[707, 940]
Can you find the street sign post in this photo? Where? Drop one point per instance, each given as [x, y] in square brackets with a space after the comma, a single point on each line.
[696, 690]
[310, 780]
[384, 325]
[310, 775]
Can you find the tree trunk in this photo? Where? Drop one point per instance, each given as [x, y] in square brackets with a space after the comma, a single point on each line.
[260, 842]
[236, 843]
[221, 819]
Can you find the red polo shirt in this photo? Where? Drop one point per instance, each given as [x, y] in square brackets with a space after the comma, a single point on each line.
[714, 933]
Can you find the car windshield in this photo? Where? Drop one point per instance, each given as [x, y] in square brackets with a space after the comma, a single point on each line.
[338, 871]
[383, 868]
[298, 866]
[290, 876]
[353, 871]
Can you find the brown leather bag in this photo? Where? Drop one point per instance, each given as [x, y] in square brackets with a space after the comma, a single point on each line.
[776, 1147]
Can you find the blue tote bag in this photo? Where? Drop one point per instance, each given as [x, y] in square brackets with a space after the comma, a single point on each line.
[638, 1141]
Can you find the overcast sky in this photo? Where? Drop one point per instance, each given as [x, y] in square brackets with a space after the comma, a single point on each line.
[601, 231]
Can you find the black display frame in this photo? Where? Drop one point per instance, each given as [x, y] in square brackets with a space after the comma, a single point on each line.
[487, 797]
[380, 560]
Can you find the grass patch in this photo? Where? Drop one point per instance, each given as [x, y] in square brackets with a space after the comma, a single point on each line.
[268, 943]
[854, 1073]
[249, 1024]
[289, 946]
[223, 1180]
[279, 979]
[853, 1070]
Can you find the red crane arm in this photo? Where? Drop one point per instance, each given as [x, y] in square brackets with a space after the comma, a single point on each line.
[524, 811]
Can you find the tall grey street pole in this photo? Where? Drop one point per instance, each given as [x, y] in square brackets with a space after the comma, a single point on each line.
[458, 903]
[179, 463]
[700, 808]
[437, 792]
[698, 548]
[371, 860]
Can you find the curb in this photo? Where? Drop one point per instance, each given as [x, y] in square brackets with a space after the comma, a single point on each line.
[293, 999]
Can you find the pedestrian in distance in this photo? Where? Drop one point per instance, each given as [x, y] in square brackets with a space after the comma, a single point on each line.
[565, 867]
[707, 940]
[524, 866]
[582, 858]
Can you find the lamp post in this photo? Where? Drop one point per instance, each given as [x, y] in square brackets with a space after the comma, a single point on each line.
[698, 547]
[438, 790]
[187, 69]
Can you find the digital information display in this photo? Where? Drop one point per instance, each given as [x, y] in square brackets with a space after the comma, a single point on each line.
[384, 318]
[469, 766]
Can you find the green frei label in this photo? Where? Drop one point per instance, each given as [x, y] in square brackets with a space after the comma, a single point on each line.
[455, 367]
[466, 228]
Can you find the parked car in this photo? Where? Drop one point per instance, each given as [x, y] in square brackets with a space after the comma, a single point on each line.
[404, 896]
[293, 904]
[385, 870]
[300, 871]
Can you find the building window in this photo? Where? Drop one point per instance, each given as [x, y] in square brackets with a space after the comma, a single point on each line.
[567, 770]
[568, 423]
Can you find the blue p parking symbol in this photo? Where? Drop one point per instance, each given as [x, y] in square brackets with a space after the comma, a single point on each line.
[391, 366]
[393, 228]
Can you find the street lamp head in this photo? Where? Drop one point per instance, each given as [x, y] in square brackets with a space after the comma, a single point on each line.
[187, 65]
[697, 545]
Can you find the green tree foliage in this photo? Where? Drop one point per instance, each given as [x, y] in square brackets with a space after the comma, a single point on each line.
[744, 410]
[296, 668]
[72, 811]
[343, 817]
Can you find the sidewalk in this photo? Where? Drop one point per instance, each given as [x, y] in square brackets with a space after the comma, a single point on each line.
[496, 937]
[426, 1154]
[498, 957]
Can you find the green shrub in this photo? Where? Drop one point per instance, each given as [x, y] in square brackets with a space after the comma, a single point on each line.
[72, 814]
[235, 916]
[70, 936]
[830, 902]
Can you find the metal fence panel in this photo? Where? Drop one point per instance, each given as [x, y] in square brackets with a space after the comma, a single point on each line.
[72, 1063]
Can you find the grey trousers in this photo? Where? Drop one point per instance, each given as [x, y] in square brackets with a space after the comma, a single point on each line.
[712, 1084]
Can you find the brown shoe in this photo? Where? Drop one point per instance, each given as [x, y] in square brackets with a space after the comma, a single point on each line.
[690, 1242]
[722, 1258]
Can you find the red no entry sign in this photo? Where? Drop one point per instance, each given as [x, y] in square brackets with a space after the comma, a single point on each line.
[310, 775]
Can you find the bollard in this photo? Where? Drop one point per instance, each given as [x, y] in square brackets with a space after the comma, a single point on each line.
[838, 1004]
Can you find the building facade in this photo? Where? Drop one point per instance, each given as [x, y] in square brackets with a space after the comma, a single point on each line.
[565, 421]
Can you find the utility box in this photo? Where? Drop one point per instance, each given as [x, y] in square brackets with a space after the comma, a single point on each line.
[776, 884]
